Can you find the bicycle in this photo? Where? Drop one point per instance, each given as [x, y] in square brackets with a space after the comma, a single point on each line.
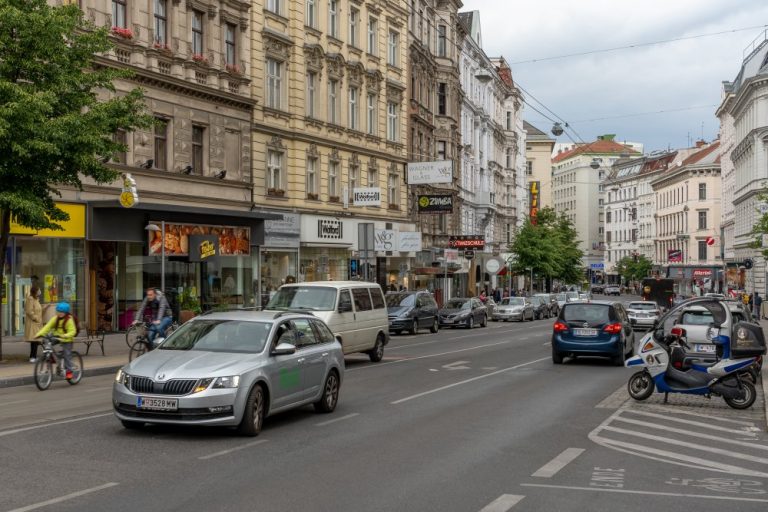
[141, 345]
[137, 330]
[52, 358]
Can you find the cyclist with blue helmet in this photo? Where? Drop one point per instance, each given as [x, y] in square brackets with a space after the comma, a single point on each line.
[64, 327]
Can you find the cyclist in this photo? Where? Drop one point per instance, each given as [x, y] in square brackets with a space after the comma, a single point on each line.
[64, 327]
[162, 317]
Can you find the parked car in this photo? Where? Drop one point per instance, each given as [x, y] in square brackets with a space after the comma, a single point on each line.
[463, 312]
[551, 300]
[354, 310]
[585, 297]
[514, 308]
[643, 313]
[540, 307]
[232, 369]
[411, 311]
[490, 306]
[600, 328]
[612, 290]
[598, 289]
[572, 296]
[715, 295]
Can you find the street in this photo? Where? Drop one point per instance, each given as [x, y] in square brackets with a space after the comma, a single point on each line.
[462, 420]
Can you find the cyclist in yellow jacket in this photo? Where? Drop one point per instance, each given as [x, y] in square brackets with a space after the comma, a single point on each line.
[64, 328]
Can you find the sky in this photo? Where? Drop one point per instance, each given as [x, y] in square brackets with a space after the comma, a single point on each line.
[659, 77]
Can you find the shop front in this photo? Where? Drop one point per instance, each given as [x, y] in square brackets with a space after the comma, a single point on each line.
[696, 280]
[279, 256]
[54, 261]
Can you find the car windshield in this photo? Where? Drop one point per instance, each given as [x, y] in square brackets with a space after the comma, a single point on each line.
[312, 298]
[572, 295]
[562, 297]
[593, 314]
[513, 301]
[536, 300]
[643, 306]
[235, 336]
[401, 300]
[457, 304]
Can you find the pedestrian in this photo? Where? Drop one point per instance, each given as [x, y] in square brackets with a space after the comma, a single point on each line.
[758, 309]
[33, 321]
[64, 327]
[497, 295]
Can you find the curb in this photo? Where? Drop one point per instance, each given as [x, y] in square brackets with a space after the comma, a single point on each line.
[30, 379]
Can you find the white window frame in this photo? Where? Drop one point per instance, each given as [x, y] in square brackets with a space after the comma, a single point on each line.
[354, 110]
[333, 178]
[393, 48]
[373, 36]
[275, 169]
[393, 119]
[333, 101]
[274, 84]
[373, 176]
[275, 6]
[354, 178]
[333, 18]
[311, 175]
[393, 189]
[311, 94]
[370, 116]
[311, 13]
[354, 27]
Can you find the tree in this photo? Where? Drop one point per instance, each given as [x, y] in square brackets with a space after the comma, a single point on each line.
[54, 131]
[634, 268]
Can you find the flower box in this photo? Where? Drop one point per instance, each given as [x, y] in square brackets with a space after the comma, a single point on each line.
[234, 69]
[125, 33]
[334, 199]
[200, 58]
[276, 192]
[313, 197]
[163, 47]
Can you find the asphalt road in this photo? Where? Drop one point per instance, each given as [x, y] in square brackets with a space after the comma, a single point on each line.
[458, 421]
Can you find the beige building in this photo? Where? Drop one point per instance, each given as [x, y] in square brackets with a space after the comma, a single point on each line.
[538, 162]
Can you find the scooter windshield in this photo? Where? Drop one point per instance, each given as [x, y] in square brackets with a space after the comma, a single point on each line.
[715, 307]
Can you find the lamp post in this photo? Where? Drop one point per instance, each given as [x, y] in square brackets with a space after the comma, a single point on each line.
[161, 229]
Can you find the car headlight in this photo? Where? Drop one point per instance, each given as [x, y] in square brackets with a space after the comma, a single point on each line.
[226, 382]
[202, 385]
[122, 378]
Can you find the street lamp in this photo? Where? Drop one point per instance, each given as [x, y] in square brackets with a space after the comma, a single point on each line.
[530, 286]
[161, 229]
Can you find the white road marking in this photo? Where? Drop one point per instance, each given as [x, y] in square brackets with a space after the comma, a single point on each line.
[14, 402]
[698, 414]
[466, 381]
[336, 420]
[694, 423]
[547, 343]
[231, 450]
[666, 428]
[66, 497]
[458, 365]
[94, 390]
[489, 368]
[53, 423]
[433, 370]
[552, 467]
[614, 400]
[503, 503]
[648, 493]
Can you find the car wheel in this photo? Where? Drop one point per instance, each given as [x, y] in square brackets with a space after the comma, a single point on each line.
[471, 322]
[132, 425]
[618, 360]
[435, 327]
[414, 327]
[253, 416]
[557, 356]
[484, 322]
[330, 398]
[377, 353]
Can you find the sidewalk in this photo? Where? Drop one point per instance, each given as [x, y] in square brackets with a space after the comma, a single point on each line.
[16, 370]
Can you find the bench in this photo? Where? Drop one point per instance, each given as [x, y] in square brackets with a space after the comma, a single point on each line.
[91, 336]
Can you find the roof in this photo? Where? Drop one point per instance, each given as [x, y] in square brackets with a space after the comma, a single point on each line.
[600, 146]
[532, 130]
[708, 155]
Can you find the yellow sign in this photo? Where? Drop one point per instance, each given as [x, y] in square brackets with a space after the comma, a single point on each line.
[50, 288]
[424, 202]
[207, 249]
[127, 199]
[129, 196]
[72, 228]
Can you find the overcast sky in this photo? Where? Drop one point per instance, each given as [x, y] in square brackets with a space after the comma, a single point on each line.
[660, 77]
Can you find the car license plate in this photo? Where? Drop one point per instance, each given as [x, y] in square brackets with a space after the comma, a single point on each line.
[585, 332]
[157, 404]
[709, 349]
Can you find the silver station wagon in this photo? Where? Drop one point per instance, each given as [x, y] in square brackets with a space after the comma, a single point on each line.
[232, 369]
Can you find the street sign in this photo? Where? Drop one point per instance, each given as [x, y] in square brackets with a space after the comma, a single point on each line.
[451, 256]
[597, 266]
[748, 263]
[492, 266]
[469, 254]
[710, 241]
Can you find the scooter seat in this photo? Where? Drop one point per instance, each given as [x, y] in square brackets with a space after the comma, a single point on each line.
[690, 379]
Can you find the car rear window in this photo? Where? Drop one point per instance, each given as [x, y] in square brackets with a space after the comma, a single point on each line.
[593, 314]
[696, 318]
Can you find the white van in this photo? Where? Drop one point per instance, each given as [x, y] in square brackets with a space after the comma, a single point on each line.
[354, 310]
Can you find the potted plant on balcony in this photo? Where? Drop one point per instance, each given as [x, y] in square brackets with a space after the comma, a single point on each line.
[189, 305]
[312, 196]
[200, 58]
[162, 47]
[277, 192]
[234, 69]
[123, 32]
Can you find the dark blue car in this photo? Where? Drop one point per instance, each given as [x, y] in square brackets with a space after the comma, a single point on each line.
[599, 328]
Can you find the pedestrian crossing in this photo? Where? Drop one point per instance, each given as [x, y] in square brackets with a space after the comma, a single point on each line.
[711, 439]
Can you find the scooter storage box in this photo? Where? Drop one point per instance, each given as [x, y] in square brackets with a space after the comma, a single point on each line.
[747, 341]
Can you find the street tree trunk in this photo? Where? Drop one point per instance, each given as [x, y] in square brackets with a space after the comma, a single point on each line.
[5, 233]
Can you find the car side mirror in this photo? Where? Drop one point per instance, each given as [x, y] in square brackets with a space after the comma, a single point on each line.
[345, 307]
[284, 349]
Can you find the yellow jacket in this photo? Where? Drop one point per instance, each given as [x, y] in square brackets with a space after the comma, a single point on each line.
[65, 333]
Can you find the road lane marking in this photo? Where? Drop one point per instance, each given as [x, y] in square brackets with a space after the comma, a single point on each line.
[458, 365]
[94, 390]
[698, 414]
[231, 450]
[53, 423]
[552, 467]
[503, 503]
[648, 493]
[66, 497]
[443, 339]
[336, 420]
[666, 428]
[614, 400]
[13, 403]
[693, 423]
[466, 381]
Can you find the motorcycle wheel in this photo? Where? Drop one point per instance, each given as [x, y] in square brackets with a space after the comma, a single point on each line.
[749, 397]
[640, 386]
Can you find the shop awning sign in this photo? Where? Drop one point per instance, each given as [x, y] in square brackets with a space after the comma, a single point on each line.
[466, 242]
[366, 196]
[231, 240]
[203, 247]
[430, 173]
[129, 197]
[435, 203]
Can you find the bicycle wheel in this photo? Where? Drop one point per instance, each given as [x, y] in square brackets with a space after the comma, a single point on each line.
[43, 373]
[132, 334]
[138, 349]
[77, 368]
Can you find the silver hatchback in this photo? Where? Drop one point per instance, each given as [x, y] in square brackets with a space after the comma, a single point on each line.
[232, 369]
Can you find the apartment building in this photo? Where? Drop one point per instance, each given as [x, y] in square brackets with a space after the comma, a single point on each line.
[538, 161]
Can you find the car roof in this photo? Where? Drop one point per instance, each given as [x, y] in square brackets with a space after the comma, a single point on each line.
[334, 284]
[598, 302]
[643, 302]
[253, 316]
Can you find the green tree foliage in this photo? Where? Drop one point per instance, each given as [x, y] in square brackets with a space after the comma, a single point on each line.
[54, 130]
[550, 247]
[632, 268]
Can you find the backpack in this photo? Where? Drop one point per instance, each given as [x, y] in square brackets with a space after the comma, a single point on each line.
[74, 319]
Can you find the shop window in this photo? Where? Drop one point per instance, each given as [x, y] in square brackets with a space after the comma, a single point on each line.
[362, 299]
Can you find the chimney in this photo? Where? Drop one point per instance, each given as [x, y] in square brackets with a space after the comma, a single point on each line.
[700, 143]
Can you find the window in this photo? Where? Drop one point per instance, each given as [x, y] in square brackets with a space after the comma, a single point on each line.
[353, 109]
[333, 104]
[274, 83]
[274, 6]
[161, 22]
[120, 156]
[230, 46]
[324, 333]
[198, 133]
[354, 21]
[373, 177]
[392, 121]
[333, 18]
[377, 298]
[333, 179]
[120, 13]
[362, 299]
[509, 121]
[373, 36]
[702, 220]
[274, 170]
[197, 32]
[393, 48]
[441, 150]
[311, 14]
[442, 100]
[312, 176]
[702, 191]
[311, 93]
[528, 167]
[305, 334]
[161, 143]
[370, 116]
[354, 178]
[702, 250]
[393, 189]
[442, 43]
[608, 218]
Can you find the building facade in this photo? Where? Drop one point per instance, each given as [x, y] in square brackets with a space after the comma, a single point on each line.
[538, 162]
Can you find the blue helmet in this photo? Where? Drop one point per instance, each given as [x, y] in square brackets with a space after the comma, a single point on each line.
[62, 307]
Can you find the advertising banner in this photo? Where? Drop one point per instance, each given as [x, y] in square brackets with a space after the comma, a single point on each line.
[366, 196]
[409, 241]
[430, 173]
[232, 240]
[533, 199]
[674, 255]
[451, 255]
[384, 240]
[69, 288]
[50, 288]
[435, 203]
[203, 247]
[466, 242]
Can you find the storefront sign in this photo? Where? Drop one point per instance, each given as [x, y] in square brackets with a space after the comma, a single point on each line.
[330, 229]
[435, 203]
[129, 196]
[468, 255]
[674, 255]
[466, 242]
[409, 241]
[283, 233]
[430, 173]
[533, 200]
[384, 240]
[451, 256]
[232, 240]
[366, 196]
[203, 247]
[72, 228]
[702, 272]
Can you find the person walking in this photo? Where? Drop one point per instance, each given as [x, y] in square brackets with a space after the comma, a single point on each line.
[64, 327]
[33, 321]
[757, 310]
